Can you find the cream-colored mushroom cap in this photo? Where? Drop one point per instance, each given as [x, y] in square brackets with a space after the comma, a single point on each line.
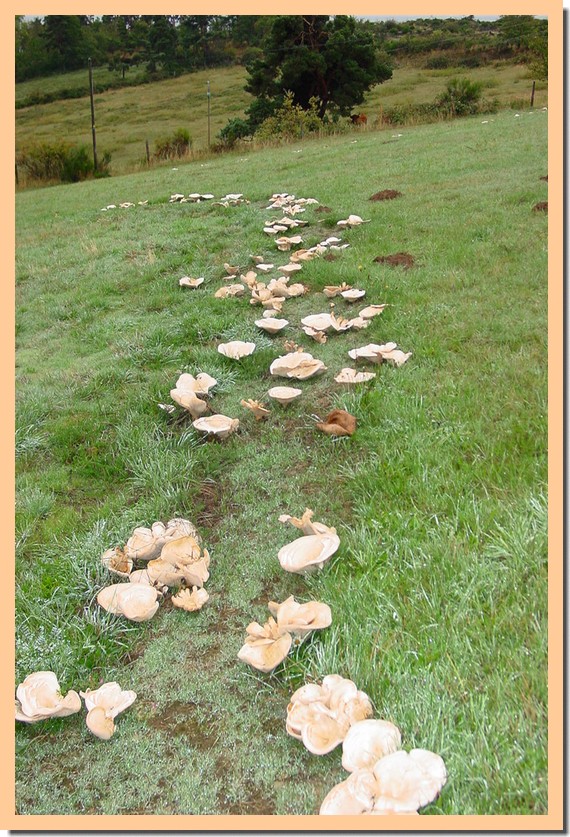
[216, 425]
[146, 543]
[299, 365]
[265, 646]
[306, 524]
[408, 781]
[271, 325]
[354, 796]
[191, 600]
[308, 552]
[318, 322]
[99, 723]
[199, 385]
[189, 401]
[39, 697]
[373, 351]
[372, 311]
[284, 395]
[236, 349]
[353, 294]
[189, 282]
[300, 619]
[163, 573]
[136, 602]
[110, 697]
[351, 376]
[368, 741]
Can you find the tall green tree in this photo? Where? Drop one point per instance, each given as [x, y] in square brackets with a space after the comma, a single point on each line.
[65, 42]
[332, 60]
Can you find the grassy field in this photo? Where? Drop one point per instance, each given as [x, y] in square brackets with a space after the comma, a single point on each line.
[127, 118]
[438, 591]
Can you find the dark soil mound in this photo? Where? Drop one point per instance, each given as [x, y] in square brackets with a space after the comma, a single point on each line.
[386, 195]
[397, 260]
[540, 207]
[545, 178]
[330, 257]
[323, 209]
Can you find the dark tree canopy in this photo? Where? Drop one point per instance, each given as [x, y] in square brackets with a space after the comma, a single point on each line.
[333, 60]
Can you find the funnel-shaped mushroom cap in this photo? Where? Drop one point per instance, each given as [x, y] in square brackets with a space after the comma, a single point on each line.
[250, 278]
[297, 289]
[308, 553]
[199, 385]
[117, 562]
[185, 548]
[179, 527]
[265, 646]
[353, 796]
[331, 291]
[368, 741]
[189, 401]
[145, 543]
[306, 524]
[230, 269]
[372, 311]
[217, 425]
[318, 322]
[186, 562]
[340, 323]
[230, 290]
[188, 282]
[408, 781]
[318, 336]
[352, 221]
[163, 573]
[99, 723]
[396, 357]
[284, 395]
[136, 602]
[351, 376]
[140, 577]
[377, 354]
[353, 294]
[300, 619]
[190, 600]
[289, 269]
[39, 697]
[110, 697]
[299, 365]
[236, 349]
[358, 322]
[271, 325]
[323, 732]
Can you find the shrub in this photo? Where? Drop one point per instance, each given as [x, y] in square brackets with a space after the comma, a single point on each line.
[437, 62]
[290, 121]
[461, 97]
[61, 161]
[251, 54]
[233, 131]
[174, 147]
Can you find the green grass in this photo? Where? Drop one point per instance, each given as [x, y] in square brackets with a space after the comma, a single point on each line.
[438, 591]
[126, 118]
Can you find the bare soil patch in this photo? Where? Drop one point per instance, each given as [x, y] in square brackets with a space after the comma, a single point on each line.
[385, 195]
[545, 178]
[323, 209]
[542, 206]
[405, 260]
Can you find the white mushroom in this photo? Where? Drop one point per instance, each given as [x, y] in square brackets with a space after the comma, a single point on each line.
[352, 221]
[408, 781]
[318, 322]
[300, 619]
[39, 697]
[379, 353]
[146, 543]
[135, 601]
[368, 741]
[265, 646]
[306, 524]
[299, 365]
[372, 311]
[236, 349]
[272, 326]
[117, 562]
[230, 290]
[308, 552]
[103, 705]
[258, 410]
[353, 294]
[354, 796]
[188, 282]
[216, 425]
[284, 395]
[190, 600]
[351, 376]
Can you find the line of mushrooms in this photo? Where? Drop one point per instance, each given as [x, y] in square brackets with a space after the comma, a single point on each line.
[383, 778]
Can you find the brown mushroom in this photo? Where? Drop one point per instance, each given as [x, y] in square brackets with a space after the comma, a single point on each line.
[338, 423]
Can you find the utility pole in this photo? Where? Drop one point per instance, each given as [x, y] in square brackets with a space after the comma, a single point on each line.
[92, 114]
[208, 95]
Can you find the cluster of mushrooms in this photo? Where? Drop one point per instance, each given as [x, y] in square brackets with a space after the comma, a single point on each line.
[168, 556]
[297, 363]
[39, 697]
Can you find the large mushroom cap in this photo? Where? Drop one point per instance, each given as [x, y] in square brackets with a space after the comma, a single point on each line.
[372, 311]
[300, 619]
[368, 741]
[190, 600]
[39, 697]
[351, 376]
[137, 602]
[99, 723]
[216, 425]
[145, 543]
[271, 325]
[236, 349]
[299, 365]
[408, 781]
[338, 423]
[284, 395]
[308, 552]
[110, 697]
[265, 646]
[353, 796]
[317, 322]
[189, 401]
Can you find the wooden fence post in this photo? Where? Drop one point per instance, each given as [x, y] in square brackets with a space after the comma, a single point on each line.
[532, 94]
[147, 154]
[17, 181]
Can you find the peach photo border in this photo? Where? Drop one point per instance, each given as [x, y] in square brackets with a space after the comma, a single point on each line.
[554, 819]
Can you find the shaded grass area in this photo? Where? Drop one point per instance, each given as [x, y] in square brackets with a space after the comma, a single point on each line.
[438, 591]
